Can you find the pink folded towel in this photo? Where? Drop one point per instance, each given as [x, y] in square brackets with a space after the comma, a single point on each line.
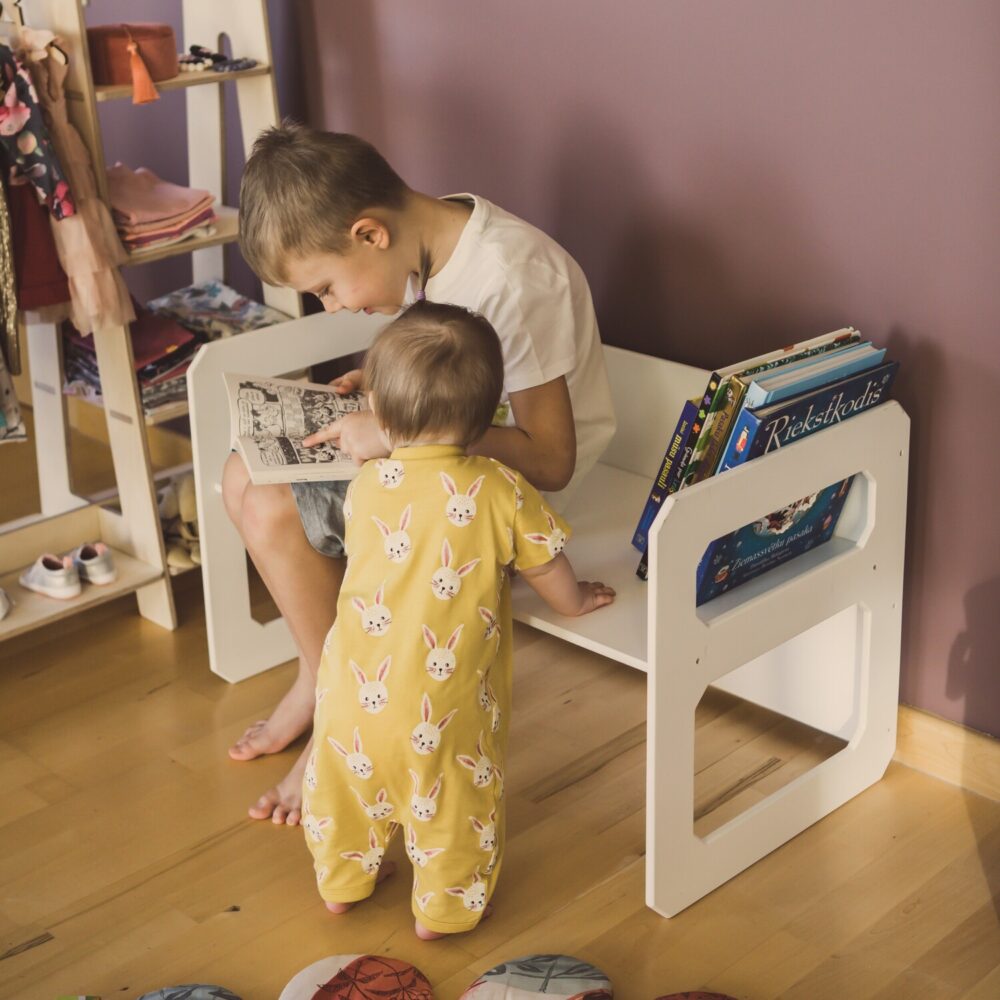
[139, 197]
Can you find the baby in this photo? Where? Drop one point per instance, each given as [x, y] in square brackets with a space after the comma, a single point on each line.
[413, 692]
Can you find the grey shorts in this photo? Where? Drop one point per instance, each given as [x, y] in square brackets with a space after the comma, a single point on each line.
[321, 510]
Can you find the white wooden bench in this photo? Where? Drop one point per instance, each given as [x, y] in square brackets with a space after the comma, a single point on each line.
[816, 640]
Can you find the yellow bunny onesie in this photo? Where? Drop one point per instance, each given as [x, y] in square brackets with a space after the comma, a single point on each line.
[413, 692]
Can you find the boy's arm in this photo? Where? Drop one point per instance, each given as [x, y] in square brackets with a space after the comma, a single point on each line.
[556, 583]
[542, 447]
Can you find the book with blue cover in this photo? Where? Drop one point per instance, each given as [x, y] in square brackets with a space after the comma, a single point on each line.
[759, 431]
[769, 541]
[811, 373]
[668, 479]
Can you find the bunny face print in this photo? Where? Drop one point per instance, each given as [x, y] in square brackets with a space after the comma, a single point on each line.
[397, 544]
[460, 508]
[390, 473]
[373, 694]
[446, 581]
[441, 660]
[426, 735]
[376, 619]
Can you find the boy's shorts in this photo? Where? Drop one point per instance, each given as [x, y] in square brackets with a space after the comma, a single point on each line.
[321, 510]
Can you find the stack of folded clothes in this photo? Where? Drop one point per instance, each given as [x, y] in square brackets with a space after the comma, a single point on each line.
[151, 212]
[165, 336]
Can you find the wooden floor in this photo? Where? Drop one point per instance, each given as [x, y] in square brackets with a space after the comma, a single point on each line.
[127, 863]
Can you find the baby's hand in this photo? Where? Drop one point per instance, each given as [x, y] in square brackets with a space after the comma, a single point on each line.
[353, 381]
[356, 433]
[593, 596]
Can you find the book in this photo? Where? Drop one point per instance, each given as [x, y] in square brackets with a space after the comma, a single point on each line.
[759, 431]
[810, 374]
[724, 396]
[769, 541]
[269, 418]
[668, 479]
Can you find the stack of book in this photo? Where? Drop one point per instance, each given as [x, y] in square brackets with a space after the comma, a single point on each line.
[750, 409]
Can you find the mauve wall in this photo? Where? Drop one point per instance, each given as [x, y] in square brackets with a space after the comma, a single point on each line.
[733, 177]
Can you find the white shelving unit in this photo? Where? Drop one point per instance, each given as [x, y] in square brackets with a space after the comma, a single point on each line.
[66, 519]
[816, 640]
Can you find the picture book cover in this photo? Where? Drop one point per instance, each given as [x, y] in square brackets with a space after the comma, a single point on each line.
[269, 418]
[726, 388]
[770, 541]
[668, 479]
[757, 432]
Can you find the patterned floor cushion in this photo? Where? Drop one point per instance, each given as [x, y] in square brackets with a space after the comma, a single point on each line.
[358, 977]
[191, 991]
[538, 975]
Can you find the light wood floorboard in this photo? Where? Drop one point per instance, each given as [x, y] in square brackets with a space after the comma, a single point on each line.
[127, 863]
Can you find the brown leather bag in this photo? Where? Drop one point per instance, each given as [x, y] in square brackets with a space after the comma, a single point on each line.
[133, 53]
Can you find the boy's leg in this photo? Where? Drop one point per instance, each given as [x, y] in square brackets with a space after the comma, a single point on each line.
[305, 585]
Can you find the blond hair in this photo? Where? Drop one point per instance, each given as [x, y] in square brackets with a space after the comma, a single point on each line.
[437, 369]
[303, 189]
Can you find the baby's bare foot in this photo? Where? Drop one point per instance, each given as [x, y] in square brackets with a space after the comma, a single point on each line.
[283, 802]
[290, 719]
[388, 867]
[425, 934]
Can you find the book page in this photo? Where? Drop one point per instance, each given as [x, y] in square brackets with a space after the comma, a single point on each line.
[276, 414]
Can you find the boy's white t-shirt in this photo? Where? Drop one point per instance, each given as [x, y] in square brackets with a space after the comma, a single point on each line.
[539, 303]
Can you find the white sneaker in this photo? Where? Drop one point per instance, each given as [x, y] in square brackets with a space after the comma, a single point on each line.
[95, 563]
[5, 604]
[52, 576]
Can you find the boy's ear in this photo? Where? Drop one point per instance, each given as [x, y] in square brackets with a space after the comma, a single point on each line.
[371, 232]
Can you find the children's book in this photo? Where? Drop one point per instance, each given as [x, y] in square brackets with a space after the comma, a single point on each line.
[269, 418]
[724, 396]
[757, 432]
[668, 479]
[769, 541]
[810, 374]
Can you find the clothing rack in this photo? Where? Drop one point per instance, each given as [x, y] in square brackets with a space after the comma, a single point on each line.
[128, 522]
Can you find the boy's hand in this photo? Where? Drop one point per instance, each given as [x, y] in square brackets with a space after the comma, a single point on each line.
[353, 381]
[356, 433]
[593, 596]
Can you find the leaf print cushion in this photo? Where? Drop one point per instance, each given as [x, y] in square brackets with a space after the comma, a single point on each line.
[538, 975]
[358, 977]
[191, 991]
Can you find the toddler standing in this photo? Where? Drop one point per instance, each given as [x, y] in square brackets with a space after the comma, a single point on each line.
[413, 692]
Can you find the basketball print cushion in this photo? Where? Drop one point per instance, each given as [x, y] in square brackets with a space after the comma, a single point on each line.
[541, 975]
[358, 977]
[191, 991]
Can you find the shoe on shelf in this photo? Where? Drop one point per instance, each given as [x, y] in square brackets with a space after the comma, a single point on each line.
[95, 563]
[5, 604]
[52, 576]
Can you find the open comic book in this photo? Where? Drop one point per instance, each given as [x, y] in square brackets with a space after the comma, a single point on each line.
[269, 418]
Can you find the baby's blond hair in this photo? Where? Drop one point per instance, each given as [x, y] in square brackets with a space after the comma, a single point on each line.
[303, 189]
[437, 369]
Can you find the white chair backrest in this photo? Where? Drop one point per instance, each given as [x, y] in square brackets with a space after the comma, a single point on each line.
[648, 394]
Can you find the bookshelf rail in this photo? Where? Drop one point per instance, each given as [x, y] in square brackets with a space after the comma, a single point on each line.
[121, 92]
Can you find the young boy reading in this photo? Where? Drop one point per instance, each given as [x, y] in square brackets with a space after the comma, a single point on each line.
[324, 213]
[413, 693]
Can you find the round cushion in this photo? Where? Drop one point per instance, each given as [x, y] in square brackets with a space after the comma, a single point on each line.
[541, 975]
[358, 977]
[191, 991]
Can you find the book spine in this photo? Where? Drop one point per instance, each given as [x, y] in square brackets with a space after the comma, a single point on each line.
[715, 392]
[667, 474]
[741, 441]
[732, 403]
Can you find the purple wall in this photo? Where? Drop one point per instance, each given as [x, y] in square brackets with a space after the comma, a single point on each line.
[733, 177]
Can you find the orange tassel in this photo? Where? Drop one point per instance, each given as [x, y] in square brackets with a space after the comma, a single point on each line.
[143, 90]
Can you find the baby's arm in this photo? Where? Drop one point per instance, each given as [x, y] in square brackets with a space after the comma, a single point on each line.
[556, 583]
[543, 444]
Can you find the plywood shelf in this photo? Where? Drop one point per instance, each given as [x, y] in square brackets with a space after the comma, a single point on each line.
[123, 91]
[33, 610]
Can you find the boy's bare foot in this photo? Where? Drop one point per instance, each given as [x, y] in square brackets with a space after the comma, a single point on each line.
[425, 934]
[388, 867]
[290, 719]
[283, 802]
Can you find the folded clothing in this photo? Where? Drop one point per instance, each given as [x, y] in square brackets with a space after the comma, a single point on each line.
[216, 310]
[139, 197]
[200, 221]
